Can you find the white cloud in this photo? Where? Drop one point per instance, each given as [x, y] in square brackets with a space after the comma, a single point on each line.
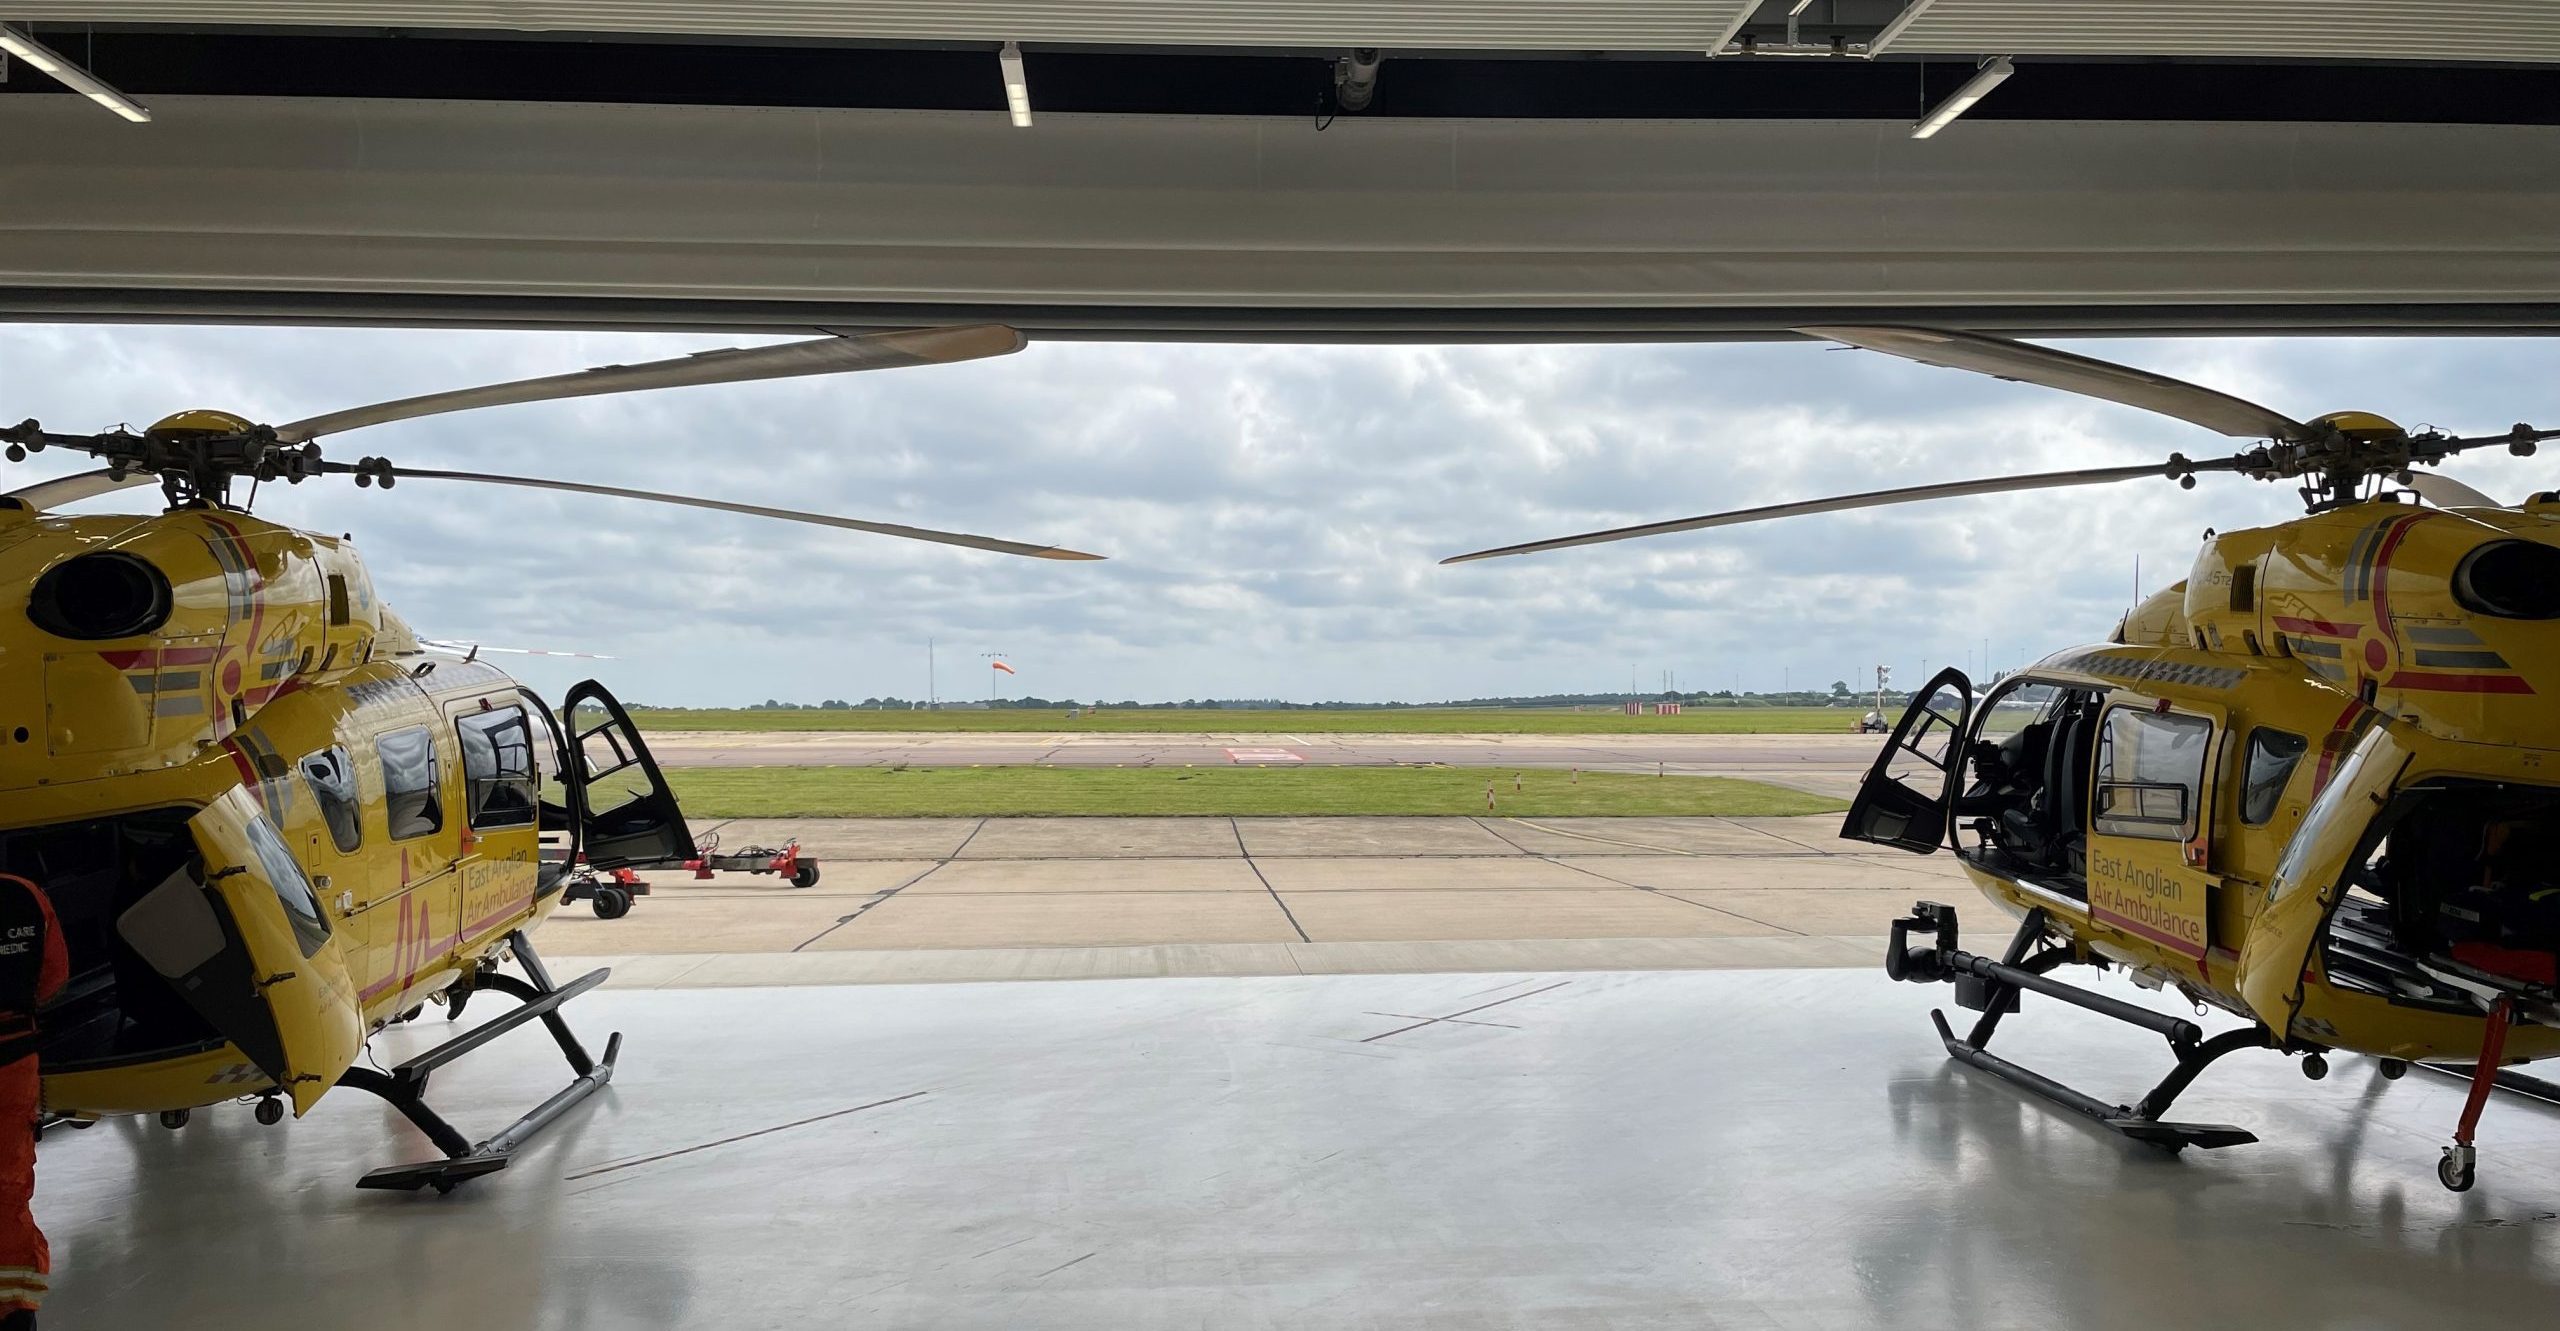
[1273, 512]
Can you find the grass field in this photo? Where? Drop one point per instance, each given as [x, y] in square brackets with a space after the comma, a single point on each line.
[889, 792]
[1523, 721]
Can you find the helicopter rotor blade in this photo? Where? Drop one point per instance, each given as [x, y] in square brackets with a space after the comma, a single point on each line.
[824, 355]
[757, 510]
[47, 495]
[1908, 494]
[462, 648]
[2106, 380]
[2446, 492]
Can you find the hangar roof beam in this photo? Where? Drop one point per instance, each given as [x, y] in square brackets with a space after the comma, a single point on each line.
[70, 74]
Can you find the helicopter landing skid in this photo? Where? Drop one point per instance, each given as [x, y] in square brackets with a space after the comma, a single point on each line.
[405, 1086]
[1992, 989]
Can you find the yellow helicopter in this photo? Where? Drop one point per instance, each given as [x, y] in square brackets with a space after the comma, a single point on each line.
[270, 820]
[2315, 785]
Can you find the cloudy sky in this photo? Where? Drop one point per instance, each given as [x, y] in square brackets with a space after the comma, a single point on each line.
[1273, 513]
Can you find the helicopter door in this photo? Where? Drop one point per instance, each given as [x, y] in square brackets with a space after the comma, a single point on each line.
[2151, 822]
[1908, 796]
[625, 812]
[2277, 955]
[250, 948]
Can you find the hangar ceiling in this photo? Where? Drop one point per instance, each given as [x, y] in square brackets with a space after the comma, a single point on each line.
[1631, 25]
[1572, 168]
[2490, 30]
[2482, 30]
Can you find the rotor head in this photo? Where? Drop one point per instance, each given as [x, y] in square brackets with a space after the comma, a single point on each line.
[199, 421]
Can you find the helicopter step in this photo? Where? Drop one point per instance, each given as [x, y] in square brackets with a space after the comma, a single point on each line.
[1992, 988]
[405, 1086]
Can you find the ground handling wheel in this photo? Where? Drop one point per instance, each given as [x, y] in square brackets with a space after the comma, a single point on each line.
[806, 875]
[174, 1119]
[612, 903]
[270, 1111]
[2393, 1069]
[2459, 1169]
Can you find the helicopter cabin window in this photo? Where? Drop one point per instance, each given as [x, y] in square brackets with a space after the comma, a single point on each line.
[301, 904]
[411, 801]
[2151, 774]
[497, 768]
[2272, 756]
[332, 779]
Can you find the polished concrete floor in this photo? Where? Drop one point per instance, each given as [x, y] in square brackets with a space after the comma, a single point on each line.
[1772, 1149]
[906, 899]
[1827, 764]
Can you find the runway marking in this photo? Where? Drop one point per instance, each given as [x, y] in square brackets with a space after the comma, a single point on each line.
[1264, 756]
[1462, 1012]
[743, 1136]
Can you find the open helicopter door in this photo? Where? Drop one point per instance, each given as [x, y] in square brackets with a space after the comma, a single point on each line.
[1909, 795]
[626, 814]
[2355, 785]
[250, 949]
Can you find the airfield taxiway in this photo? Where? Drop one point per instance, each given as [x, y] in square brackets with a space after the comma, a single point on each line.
[1758, 1149]
[904, 899]
[1823, 764]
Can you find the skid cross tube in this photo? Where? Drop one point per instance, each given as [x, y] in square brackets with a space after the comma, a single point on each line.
[404, 1087]
[2176, 1030]
[1992, 987]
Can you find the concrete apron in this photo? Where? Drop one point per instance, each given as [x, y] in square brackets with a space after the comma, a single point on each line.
[983, 899]
[1768, 1149]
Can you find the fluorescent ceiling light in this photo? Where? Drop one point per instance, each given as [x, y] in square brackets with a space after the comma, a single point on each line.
[1993, 73]
[1017, 87]
[72, 76]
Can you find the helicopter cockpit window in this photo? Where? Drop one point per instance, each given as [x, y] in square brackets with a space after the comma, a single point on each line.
[332, 779]
[2272, 756]
[411, 802]
[2151, 774]
[497, 768]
